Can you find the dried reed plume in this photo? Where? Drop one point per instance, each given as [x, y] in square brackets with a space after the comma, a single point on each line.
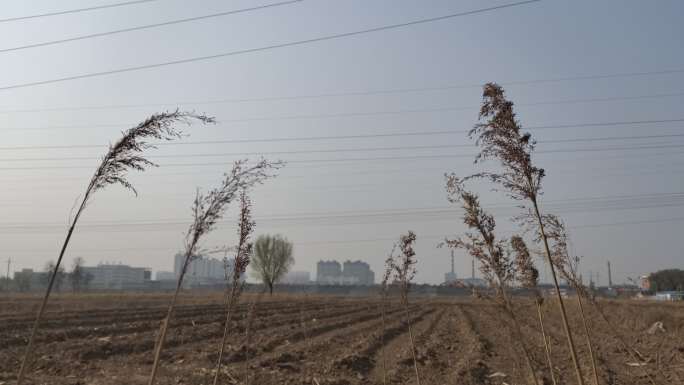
[528, 277]
[500, 138]
[123, 156]
[495, 265]
[568, 268]
[384, 298]
[240, 263]
[207, 210]
[405, 271]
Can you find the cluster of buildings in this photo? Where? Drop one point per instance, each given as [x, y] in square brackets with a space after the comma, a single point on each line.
[201, 271]
[348, 273]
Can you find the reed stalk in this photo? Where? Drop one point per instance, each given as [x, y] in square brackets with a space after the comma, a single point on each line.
[123, 156]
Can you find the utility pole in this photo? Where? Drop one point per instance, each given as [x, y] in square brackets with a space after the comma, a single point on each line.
[610, 277]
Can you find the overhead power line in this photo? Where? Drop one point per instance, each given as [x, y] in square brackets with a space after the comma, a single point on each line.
[335, 115]
[264, 48]
[386, 135]
[296, 97]
[78, 10]
[147, 26]
[386, 148]
[358, 159]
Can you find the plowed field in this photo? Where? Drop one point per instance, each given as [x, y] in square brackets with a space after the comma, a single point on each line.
[108, 339]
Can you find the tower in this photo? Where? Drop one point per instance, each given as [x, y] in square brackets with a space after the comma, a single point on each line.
[452, 262]
[610, 277]
[472, 271]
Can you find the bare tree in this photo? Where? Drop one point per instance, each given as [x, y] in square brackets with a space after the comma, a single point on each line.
[50, 269]
[495, 265]
[528, 277]
[76, 276]
[272, 259]
[240, 262]
[405, 271]
[500, 138]
[124, 155]
[207, 210]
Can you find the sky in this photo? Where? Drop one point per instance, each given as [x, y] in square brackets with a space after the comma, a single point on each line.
[599, 85]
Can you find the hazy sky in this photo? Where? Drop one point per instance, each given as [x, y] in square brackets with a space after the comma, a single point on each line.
[622, 198]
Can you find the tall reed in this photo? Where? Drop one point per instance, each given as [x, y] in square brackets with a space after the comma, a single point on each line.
[495, 265]
[500, 138]
[528, 277]
[405, 271]
[567, 267]
[124, 155]
[384, 298]
[207, 210]
[240, 262]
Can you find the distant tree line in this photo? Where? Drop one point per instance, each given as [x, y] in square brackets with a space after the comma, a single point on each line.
[667, 280]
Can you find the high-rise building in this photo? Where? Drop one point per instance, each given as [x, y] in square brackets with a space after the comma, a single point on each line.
[203, 270]
[358, 273]
[353, 273]
[328, 272]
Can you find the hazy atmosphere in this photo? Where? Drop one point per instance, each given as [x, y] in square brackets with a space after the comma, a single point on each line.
[368, 124]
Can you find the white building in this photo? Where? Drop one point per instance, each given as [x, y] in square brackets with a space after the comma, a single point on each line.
[203, 270]
[117, 277]
[165, 276]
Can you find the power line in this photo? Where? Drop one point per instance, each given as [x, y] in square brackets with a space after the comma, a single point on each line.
[337, 219]
[147, 26]
[360, 159]
[375, 149]
[358, 93]
[78, 10]
[335, 115]
[263, 48]
[385, 135]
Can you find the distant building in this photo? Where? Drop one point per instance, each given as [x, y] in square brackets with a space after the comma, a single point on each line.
[670, 296]
[450, 278]
[477, 282]
[203, 270]
[352, 273]
[27, 279]
[117, 277]
[165, 276]
[645, 282]
[328, 272]
[358, 273]
[296, 278]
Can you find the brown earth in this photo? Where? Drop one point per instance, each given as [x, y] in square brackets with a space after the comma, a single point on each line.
[108, 339]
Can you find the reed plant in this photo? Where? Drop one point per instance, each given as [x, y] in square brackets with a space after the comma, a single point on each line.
[499, 136]
[405, 271]
[528, 277]
[568, 266]
[124, 155]
[384, 299]
[207, 209]
[495, 264]
[240, 263]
